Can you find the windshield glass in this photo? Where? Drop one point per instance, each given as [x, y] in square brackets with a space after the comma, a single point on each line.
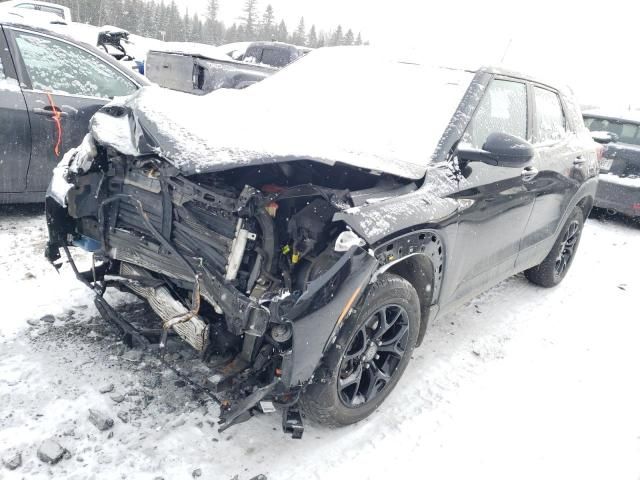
[367, 101]
[346, 105]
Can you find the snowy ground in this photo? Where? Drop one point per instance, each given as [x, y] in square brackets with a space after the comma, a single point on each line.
[521, 383]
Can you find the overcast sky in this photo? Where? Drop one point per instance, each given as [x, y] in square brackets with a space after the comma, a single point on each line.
[592, 48]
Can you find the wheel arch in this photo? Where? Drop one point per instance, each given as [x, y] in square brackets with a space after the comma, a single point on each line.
[418, 270]
[586, 204]
[418, 257]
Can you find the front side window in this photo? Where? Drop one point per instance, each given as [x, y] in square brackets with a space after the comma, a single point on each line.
[549, 122]
[503, 109]
[59, 67]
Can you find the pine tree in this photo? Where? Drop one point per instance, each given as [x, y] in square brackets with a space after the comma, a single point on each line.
[212, 10]
[213, 30]
[282, 35]
[186, 27]
[268, 27]
[348, 38]
[231, 34]
[196, 29]
[312, 39]
[242, 34]
[300, 35]
[174, 24]
[337, 38]
[151, 17]
[249, 18]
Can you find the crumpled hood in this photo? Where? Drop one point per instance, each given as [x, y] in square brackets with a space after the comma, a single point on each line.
[234, 128]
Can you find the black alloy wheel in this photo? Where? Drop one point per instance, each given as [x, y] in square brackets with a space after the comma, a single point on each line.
[568, 244]
[368, 357]
[552, 270]
[373, 355]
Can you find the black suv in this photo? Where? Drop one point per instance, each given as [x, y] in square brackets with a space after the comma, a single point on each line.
[619, 185]
[308, 239]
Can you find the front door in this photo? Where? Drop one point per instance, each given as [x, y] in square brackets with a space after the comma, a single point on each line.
[15, 132]
[495, 203]
[64, 85]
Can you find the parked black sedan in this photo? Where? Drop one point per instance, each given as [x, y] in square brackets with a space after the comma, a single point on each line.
[619, 185]
[50, 86]
[307, 257]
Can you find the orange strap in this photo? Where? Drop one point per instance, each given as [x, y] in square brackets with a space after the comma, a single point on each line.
[57, 119]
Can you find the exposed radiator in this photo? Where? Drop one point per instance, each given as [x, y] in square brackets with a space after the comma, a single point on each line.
[194, 331]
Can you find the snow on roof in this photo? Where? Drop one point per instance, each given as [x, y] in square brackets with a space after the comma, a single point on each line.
[234, 47]
[344, 105]
[195, 49]
[35, 18]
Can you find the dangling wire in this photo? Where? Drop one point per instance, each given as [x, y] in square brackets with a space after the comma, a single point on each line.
[57, 118]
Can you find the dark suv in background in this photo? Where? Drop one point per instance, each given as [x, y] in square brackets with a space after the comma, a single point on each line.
[619, 186]
[309, 257]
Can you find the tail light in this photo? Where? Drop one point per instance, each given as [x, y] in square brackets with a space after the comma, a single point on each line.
[599, 153]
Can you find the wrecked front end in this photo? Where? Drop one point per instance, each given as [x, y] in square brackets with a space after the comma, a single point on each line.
[246, 265]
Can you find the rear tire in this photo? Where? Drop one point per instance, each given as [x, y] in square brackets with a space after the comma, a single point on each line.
[555, 266]
[369, 356]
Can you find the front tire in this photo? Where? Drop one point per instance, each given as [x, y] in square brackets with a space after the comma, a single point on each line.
[555, 266]
[368, 357]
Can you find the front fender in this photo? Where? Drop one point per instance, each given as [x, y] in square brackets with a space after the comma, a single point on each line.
[427, 207]
[317, 315]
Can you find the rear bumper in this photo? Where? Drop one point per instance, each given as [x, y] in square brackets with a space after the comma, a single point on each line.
[619, 194]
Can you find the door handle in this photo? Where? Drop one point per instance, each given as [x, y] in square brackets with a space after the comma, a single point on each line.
[579, 160]
[49, 112]
[529, 173]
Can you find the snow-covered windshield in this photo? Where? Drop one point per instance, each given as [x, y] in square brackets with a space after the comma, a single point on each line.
[366, 101]
[345, 105]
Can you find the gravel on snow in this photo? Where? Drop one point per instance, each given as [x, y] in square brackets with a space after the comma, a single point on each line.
[521, 382]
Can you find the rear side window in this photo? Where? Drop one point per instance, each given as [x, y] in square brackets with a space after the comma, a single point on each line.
[60, 67]
[627, 132]
[550, 124]
[275, 57]
[503, 109]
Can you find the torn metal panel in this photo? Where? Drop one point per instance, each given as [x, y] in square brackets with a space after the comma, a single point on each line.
[194, 331]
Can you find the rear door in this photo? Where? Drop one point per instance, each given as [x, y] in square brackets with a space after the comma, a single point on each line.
[64, 84]
[15, 132]
[495, 203]
[560, 156]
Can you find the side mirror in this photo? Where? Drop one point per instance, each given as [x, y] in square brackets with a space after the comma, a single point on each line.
[500, 149]
[603, 137]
